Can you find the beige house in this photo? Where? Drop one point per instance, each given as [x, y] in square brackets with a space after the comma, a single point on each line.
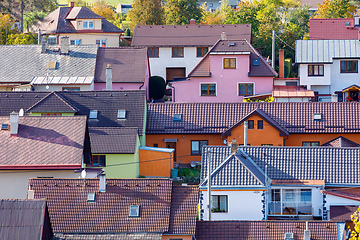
[81, 25]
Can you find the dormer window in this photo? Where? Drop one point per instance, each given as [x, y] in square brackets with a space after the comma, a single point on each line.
[134, 211]
[121, 114]
[91, 197]
[317, 117]
[93, 114]
[177, 117]
[88, 24]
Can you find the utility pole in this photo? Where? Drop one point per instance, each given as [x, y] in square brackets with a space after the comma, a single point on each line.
[273, 50]
[245, 133]
[209, 183]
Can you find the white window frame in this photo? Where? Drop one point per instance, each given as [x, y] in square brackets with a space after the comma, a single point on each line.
[76, 41]
[121, 114]
[238, 88]
[86, 24]
[216, 90]
[101, 42]
[93, 114]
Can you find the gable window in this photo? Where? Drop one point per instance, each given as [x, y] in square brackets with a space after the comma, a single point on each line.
[316, 70]
[177, 52]
[134, 211]
[121, 114]
[93, 114]
[201, 51]
[75, 42]
[311, 144]
[246, 89]
[153, 52]
[196, 147]
[251, 124]
[290, 202]
[71, 89]
[98, 161]
[101, 42]
[208, 89]
[88, 24]
[177, 117]
[260, 124]
[229, 63]
[348, 66]
[219, 203]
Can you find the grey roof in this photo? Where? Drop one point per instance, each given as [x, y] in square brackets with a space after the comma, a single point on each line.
[53, 102]
[24, 62]
[333, 165]
[324, 51]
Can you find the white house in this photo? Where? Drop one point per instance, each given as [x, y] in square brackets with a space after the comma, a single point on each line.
[276, 183]
[330, 68]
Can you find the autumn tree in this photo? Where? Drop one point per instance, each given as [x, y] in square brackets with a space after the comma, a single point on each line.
[80, 3]
[355, 232]
[103, 9]
[180, 12]
[146, 12]
[6, 24]
[21, 39]
[222, 15]
[335, 9]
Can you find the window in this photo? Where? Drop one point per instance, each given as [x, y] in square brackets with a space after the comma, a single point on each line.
[155, 145]
[98, 161]
[88, 24]
[121, 114]
[201, 51]
[229, 63]
[208, 89]
[71, 89]
[251, 124]
[316, 70]
[93, 114]
[219, 203]
[246, 89]
[256, 62]
[196, 147]
[91, 197]
[291, 84]
[177, 52]
[348, 66]
[153, 52]
[101, 42]
[260, 124]
[75, 42]
[317, 117]
[4, 126]
[310, 144]
[52, 40]
[340, 97]
[134, 211]
[177, 117]
[290, 202]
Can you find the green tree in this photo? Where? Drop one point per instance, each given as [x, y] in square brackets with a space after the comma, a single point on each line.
[335, 9]
[157, 87]
[222, 15]
[180, 12]
[21, 39]
[146, 12]
[33, 17]
[6, 24]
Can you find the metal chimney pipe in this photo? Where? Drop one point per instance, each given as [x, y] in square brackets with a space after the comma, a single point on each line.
[245, 133]
[209, 184]
[102, 183]
[14, 124]
[108, 77]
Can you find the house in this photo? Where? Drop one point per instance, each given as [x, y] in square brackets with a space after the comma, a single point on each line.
[128, 68]
[329, 68]
[283, 183]
[126, 208]
[39, 68]
[81, 25]
[263, 230]
[334, 28]
[24, 219]
[174, 50]
[123, 8]
[231, 70]
[186, 127]
[39, 147]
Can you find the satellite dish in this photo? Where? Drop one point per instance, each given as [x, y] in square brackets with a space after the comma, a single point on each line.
[47, 87]
[83, 173]
[21, 113]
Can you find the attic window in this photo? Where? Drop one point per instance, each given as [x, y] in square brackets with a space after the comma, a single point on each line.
[91, 197]
[347, 24]
[52, 65]
[256, 62]
[4, 126]
[177, 117]
[317, 117]
[121, 114]
[93, 114]
[289, 236]
[134, 211]
[231, 44]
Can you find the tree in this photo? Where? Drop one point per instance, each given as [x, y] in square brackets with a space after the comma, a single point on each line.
[355, 233]
[157, 87]
[103, 9]
[6, 24]
[21, 39]
[335, 9]
[80, 3]
[146, 12]
[33, 17]
[221, 15]
[180, 12]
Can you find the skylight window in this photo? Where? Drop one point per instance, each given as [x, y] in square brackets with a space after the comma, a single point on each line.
[256, 62]
[4, 126]
[93, 114]
[121, 114]
[134, 211]
[91, 197]
[317, 117]
[177, 117]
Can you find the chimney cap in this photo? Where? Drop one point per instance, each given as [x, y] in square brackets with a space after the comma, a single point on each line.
[108, 66]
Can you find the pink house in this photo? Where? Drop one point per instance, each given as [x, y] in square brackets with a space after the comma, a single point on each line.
[231, 70]
[129, 69]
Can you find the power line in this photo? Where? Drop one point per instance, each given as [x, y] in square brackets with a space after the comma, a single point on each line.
[284, 42]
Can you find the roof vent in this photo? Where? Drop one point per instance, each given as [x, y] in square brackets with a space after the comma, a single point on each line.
[289, 236]
[4, 126]
[317, 117]
[177, 117]
[91, 197]
[134, 211]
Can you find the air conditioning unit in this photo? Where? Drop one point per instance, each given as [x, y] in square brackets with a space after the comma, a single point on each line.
[289, 236]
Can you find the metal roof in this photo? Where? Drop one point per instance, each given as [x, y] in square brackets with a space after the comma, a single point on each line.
[61, 80]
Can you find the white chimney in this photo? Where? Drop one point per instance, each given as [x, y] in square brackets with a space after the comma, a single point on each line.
[234, 146]
[102, 183]
[108, 77]
[43, 45]
[356, 21]
[14, 124]
[223, 36]
[307, 232]
[64, 45]
[334, 97]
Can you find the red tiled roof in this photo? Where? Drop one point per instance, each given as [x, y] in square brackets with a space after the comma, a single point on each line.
[352, 193]
[264, 230]
[286, 92]
[333, 28]
[342, 213]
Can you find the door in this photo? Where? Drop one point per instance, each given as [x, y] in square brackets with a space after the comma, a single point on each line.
[172, 145]
[172, 73]
[354, 95]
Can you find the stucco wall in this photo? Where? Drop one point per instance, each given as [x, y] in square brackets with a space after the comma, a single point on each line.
[338, 201]
[298, 139]
[309, 81]
[155, 163]
[112, 39]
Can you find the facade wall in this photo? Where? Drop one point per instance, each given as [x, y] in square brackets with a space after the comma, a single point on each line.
[14, 183]
[112, 39]
[309, 81]
[79, 24]
[183, 144]
[298, 139]
[332, 200]
[339, 81]
[257, 137]
[160, 168]
[170, 237]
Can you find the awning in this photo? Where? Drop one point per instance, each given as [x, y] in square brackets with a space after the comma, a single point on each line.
[351, 88]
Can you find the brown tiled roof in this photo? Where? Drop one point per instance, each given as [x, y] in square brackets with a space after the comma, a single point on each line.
[214, 118]
[124, 236]
[352, 193]
[341, 142]
[128, 64]
[81, 13]
[202, 69]
[43, 142]
[264, 230]
[342, 213]
[55, 102]
[113, 140]
[187, 35]
[183, 212]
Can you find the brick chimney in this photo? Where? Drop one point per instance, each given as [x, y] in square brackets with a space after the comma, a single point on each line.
[14, 124]
[192, 22]
[108, 77]
[223, 36]
[281, 63]
[71, 4]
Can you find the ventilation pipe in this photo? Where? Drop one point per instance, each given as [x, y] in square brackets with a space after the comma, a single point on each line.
[108, 77]
[102, 182]
[14, 124]
[192, 22]
[43, 44]
[223, 36]
[71, 4]
[64, 45]
[245, 133]
[234, 146]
